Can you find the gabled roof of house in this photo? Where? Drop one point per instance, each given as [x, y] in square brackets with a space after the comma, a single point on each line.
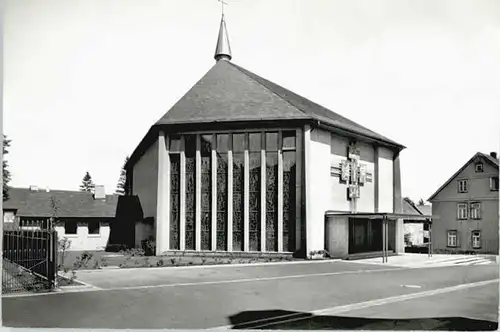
[410, 208]
[228, 93]
[493, 161]
[425, 209]
[71, 204]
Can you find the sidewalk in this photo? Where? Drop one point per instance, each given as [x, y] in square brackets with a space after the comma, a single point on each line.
[423, 260]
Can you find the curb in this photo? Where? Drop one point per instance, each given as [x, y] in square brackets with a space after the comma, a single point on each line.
[212, 265]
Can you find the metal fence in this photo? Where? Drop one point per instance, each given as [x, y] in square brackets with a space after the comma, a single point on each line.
[29, 259]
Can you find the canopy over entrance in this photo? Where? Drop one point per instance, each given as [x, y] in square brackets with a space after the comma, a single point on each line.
[381, 216]
[358, 231]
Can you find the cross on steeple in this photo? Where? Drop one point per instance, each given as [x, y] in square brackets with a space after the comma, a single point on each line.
[223, 50]
[222, 2]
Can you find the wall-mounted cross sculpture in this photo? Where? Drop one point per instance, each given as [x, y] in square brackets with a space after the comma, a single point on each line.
[352, 173]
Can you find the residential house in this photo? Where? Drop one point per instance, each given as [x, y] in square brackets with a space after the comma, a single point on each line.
[82, 217]
[465, 208]
[242, 164]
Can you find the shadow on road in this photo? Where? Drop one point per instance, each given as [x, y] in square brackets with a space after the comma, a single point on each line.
[306, 321]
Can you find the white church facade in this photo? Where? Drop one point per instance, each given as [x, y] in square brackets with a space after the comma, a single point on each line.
[241, 164]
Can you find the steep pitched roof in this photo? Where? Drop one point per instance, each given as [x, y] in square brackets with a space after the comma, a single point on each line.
[226, 94]
[493, 161]
[425, 209]
[409, 208]
[229, 93]
[71, 204]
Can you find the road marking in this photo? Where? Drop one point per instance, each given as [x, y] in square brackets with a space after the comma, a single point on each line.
[261, 323]
[411, 286]
[215, 282]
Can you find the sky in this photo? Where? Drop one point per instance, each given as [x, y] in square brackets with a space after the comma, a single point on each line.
[85, 79]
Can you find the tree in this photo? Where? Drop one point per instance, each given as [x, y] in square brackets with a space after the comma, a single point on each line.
[421, 202]
[409, 200]
[6, 172]
[121, 187]
[87, 183]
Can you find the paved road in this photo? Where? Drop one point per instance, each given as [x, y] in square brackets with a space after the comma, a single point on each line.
[230, 296]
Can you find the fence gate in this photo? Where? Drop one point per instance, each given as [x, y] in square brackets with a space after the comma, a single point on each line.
[29, 257]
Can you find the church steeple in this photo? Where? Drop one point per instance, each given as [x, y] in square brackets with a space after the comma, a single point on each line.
[223, 49]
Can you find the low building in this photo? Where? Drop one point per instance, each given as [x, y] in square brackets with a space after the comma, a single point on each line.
[416, 231]
[465, 208]
[82, 217]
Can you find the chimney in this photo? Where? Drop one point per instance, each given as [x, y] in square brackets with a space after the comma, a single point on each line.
[99, 192]
[33, 188]
[494, 155]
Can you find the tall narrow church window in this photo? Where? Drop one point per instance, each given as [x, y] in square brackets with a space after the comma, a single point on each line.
[175, 183]
[190, 154]
[271, 191]
[206, 191]
[222, 150]
[254, 190]
[289, 176]
[238, 183]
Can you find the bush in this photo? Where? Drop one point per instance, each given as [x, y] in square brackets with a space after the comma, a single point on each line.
[133, 252]
[323, 253]
[63, 245]
[149, 246]
[116, 248]
[82, 260]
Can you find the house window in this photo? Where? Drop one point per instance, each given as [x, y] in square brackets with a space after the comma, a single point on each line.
[70, 227]
[476, 239]
[94, 227]
[479, 167]
[475, 210]
[8, 217]
[494, 183]
[462, 186]
[462, 211]
[452, 239]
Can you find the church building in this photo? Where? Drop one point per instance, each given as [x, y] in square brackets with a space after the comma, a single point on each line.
[241, 164]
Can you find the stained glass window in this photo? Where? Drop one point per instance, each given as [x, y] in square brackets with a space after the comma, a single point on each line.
[190, 154]
[222, 148]
[289, 169]
[175, 163]
[271, 192]
[206, 192]
[254, 191]
[238, 143]
[238, 184]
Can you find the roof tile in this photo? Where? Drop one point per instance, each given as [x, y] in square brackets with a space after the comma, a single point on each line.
[229, 93]
[71, 204]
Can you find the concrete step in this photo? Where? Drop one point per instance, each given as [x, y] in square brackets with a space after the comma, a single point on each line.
[368, 255]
